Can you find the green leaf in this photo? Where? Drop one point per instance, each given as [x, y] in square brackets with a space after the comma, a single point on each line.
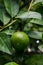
[35, 34]
[9, 31]
[2, 59]
[30, 14]
[5, 44]
[11, 63]
[42, 37]
[36, 21]
[40, 48]
[12, 7]
[3, 15]
[37, 1]
[27, 27]
[1, 1]
[35, 59]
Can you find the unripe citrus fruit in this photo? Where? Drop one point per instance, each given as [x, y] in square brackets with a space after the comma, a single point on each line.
[11, 63]
[20, 40]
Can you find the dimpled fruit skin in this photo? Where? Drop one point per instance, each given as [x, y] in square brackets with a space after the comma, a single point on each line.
[11, 63]
[19, 40]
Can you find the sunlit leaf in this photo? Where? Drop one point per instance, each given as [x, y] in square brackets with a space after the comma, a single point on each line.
[12, 7]
[35, 34]
[30, 14]
[36, 21]
[37, 1]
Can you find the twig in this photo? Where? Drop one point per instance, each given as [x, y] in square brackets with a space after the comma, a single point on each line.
[30, 5]
[7, 25]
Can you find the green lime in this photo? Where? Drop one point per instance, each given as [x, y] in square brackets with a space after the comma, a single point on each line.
[20, 40]
[11, 63]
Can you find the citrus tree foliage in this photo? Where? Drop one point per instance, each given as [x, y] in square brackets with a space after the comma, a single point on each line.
[25, 16]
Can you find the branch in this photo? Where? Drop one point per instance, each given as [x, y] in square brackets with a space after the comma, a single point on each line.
[30, 5]
[7, 25]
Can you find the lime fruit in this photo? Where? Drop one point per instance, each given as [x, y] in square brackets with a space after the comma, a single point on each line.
[20, 40]
[11, 63]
